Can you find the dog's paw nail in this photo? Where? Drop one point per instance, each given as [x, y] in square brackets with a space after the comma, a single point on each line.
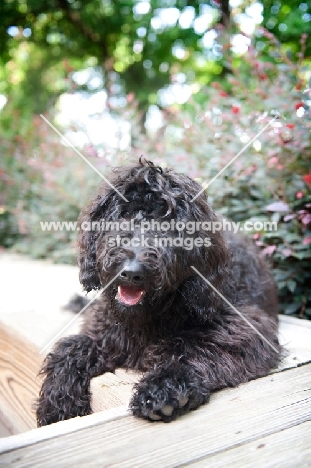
[154, 417]
[182, 401]
[167, 410]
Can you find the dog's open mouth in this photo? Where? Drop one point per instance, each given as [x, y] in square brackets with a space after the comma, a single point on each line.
[129, 295]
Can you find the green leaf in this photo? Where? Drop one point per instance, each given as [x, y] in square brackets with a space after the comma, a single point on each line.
[291, 308]
[291, 285]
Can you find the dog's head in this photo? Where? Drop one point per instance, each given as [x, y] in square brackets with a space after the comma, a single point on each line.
[141, 234]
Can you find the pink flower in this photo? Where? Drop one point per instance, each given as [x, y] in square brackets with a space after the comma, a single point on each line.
[299, 195]
[22, 226]
[269, 250]
[307, 240]
[91, 151]
[272, 161]
[130, 97]
[306, 219]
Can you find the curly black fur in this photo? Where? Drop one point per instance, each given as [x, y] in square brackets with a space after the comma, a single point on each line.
[186, 340]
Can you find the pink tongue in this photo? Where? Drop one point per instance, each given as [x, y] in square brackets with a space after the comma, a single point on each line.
[129, 294]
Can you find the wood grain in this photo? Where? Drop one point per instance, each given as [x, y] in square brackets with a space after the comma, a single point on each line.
[113, 390]
[19, 385]
[288, 448]
[233, 418]
[29, 317]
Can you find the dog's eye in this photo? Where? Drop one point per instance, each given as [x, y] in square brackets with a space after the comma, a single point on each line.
[149, 255]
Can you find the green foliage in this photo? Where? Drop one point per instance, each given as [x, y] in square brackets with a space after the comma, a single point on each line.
[291, 252]
[137, 46]
[287, 21]
[123, 38]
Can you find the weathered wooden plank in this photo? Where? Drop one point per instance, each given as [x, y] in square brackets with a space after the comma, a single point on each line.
[234, 417]
[288, 448]
[29, 318]
[4, 430]
[113, 390]
[109, 391]
[59, 429]
[295, 336]
[19, 385]
[34, 308]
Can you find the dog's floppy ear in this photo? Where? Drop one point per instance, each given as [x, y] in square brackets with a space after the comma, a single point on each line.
[87, 238]
[87, 252]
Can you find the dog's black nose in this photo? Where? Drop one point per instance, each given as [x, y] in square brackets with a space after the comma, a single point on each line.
[134, 273]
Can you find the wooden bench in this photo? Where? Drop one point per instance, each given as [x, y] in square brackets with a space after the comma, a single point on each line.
[265, 422]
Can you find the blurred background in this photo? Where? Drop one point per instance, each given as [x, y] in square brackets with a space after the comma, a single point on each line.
[186, 84]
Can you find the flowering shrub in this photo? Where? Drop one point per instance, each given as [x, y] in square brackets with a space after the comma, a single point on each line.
[44, 180]
[291, 253]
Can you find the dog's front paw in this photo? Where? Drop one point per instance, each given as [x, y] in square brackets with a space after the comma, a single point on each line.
[164, 398]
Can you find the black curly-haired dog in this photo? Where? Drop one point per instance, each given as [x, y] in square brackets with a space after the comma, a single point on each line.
[158, 315]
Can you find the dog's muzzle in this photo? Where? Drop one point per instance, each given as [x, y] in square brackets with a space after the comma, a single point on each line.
[131, 289]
